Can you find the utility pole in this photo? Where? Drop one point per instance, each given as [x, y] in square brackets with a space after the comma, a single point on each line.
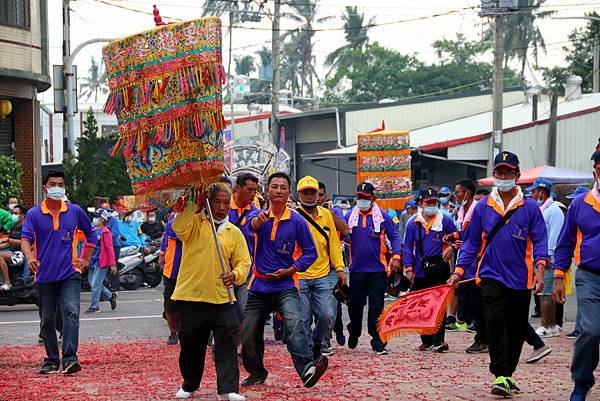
[497, 84]
[551, 158]
[596, 73]
[69, 112]
[276, 72]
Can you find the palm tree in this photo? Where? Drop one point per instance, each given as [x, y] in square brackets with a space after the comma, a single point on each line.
[521, 34]
[357, 38]
[95, 82]
[298, 50]
[244, 65]
[265, 57]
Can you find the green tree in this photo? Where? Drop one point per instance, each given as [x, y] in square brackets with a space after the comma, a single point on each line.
[356, 32]
[94, 173]
[244, 65]
[521, 34]
[10, 178]
[95, 82]
[580, 54]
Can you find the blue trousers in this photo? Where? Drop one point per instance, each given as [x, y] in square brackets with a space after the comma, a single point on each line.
[98, 291]
[315, 300]
[65, 294]
[258, 307]
[585, 352]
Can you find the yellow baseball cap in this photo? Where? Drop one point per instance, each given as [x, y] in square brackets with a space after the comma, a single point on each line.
[307, 182]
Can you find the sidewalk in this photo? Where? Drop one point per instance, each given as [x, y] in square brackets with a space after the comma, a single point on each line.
[148, 370]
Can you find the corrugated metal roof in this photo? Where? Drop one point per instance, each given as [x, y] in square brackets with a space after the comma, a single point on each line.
[478, 127]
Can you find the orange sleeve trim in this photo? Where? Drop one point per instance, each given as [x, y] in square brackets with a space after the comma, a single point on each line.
[559, 273]
[541, 262]
[408, 269]
[459, 270]
[396, 257]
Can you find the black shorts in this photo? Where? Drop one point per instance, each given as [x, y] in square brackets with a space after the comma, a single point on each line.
[169, 284]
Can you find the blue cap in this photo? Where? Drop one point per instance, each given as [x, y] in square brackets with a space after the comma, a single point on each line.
[506, 159]
[444, 191]
[392, 213]
[411, 203]
[580, 190]
[540, 183]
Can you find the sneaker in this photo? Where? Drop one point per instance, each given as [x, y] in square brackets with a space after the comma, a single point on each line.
[182, 394]
[572, 335]
[443, 347]
[471, 328]
[352, 342]
[381, 351]
[254, 380]
[327, 351]
[48, 368]
[92, 310]
[538, 354]
[513, 385]
[477, 348]
[312, 375]
[231, 397]
[40, 340]
[71, 367]
[545, 332]
[317, 351]
[501, 387]
[172, 340]
[580, 392]
[450, 319]
[113, 301]
[340, 339]
[451, 327]
[425, 347]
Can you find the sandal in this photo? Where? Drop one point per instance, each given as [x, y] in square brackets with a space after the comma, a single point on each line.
[5, 287]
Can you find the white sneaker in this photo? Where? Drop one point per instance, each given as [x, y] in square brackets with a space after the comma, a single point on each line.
[231, 397]
[182, 394]
[544, 332]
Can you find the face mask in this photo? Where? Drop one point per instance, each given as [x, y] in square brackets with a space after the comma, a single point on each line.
[152, 220]
[56, 193]
[15, 218]
[430, 210]
[115, 214]
[539, 202]
[11, 206]
[443, 200]
[96, 221]
[225, 220]
[504, 185]
[363, 204]
[308, 205]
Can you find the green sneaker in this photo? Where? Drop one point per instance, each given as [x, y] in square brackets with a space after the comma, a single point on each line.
[451, 327]
[513, 385]
[462, 326]
[501, 387]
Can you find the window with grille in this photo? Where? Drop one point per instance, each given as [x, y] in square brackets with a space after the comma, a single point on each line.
[15, 13]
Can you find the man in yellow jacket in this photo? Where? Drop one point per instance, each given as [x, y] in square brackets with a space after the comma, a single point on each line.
[315, 288]
[201, 293]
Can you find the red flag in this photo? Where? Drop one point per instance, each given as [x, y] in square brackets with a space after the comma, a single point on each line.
[420, 312]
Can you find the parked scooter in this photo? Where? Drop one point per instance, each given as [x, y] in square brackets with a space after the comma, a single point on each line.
[136, 267]
[22, 291]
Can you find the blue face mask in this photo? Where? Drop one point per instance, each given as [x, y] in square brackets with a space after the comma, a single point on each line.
[363, 204]
[56, 193]
[430, 210]
[443, 200]
[539, 202]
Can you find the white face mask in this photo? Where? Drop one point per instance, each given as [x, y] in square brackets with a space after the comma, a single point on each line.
[505, 185]
[15, 218]
[115, 214]
[11, 206]
[225, 220]
[151, 219]
[55, 193]
[363, 204]
[430, 210]
[96, 221]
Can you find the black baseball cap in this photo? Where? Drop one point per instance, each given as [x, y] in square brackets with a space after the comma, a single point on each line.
[506, 159]
[365, 188]
[428, 194]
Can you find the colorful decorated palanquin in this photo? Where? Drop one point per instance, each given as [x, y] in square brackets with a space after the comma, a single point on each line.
[165, 88]
[383, 159]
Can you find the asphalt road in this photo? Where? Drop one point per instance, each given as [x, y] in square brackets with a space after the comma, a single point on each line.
[138, 316]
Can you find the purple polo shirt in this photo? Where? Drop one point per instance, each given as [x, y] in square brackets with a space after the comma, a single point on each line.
[55, 240]
[234, 218]
[171, 246]
[276, 243]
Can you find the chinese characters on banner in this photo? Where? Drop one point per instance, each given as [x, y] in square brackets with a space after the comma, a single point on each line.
[420, 312]
[383, 159]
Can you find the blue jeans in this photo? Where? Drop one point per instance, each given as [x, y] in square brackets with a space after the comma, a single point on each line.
[65, 294]
[258, 307]
[315, 300]
[332, 277]
[98, 291]
[585, 352]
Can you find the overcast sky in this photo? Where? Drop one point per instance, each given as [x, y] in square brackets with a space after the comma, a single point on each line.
[116, 18]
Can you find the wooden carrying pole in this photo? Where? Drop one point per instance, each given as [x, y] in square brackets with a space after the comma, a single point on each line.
[224, 269]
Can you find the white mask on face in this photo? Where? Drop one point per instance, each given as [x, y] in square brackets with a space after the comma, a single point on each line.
[56, 193]
[11, 206]
[96, 221]
[363, 204]
[225, 220]
[505, 185]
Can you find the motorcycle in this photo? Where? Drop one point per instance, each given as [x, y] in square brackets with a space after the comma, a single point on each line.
[23, 291]
[136, 267]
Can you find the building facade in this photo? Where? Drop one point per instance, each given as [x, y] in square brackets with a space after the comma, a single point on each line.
[24, 73]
